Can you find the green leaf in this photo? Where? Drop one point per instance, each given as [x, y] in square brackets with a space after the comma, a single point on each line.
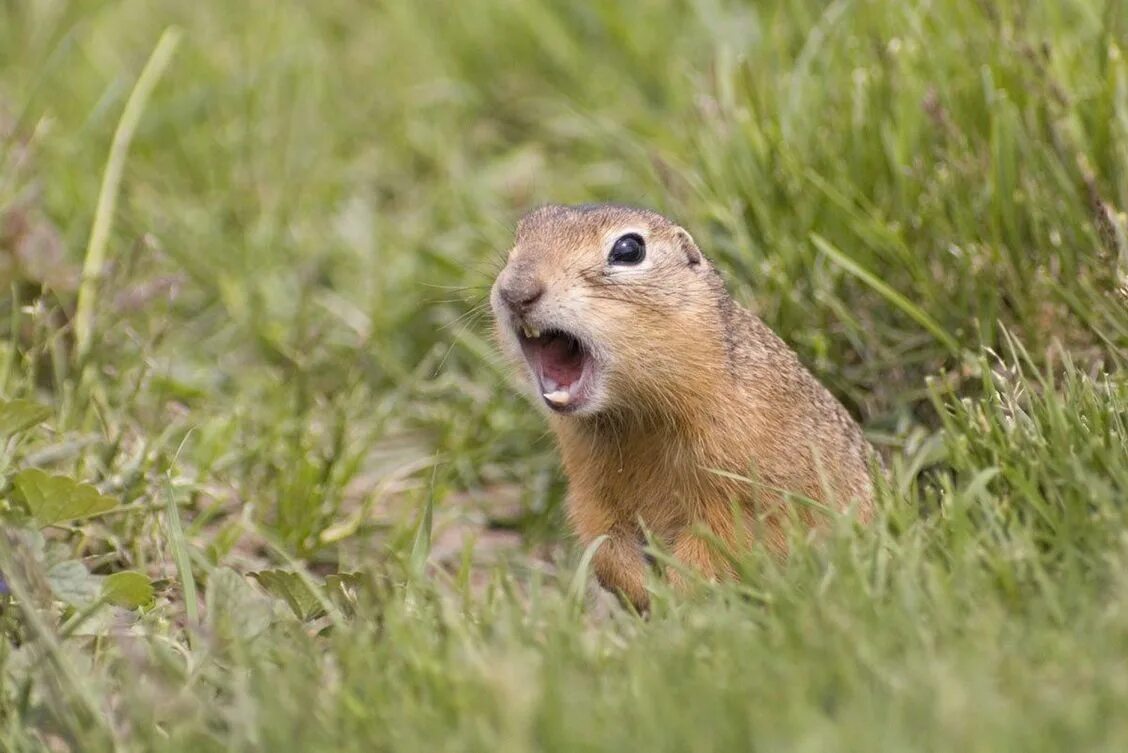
[341, 589]
[293, 590]
[181, 557]
[580, 579]
[919, 315]
[57, 499]
[127, 589]
[421, 546]
[234, 609]
[20, 415]
[73, 583]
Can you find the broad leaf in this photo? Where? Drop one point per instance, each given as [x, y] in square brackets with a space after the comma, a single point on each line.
[20, 415]
[73, 583]
[234, 608]
[57, 499]
[127, 589]
[341, 589]
[106, 620]
[292, 589]
[17, 416]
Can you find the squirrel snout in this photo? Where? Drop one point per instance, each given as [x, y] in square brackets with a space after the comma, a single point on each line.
[520, 292]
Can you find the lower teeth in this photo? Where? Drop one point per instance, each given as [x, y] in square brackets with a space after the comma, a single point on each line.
[558, 397]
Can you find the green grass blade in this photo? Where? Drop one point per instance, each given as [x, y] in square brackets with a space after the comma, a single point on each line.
[421, 544]
[915, 312]
[95, 258]
[580, 580]
[182, 559]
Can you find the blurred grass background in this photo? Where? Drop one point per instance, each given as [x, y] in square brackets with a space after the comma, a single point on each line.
[290, 357]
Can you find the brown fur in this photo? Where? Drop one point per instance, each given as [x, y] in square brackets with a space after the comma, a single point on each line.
[692, 383]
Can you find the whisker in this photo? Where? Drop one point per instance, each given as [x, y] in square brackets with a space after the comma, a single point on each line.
[454, 287]
[441, 301]
[468, 318]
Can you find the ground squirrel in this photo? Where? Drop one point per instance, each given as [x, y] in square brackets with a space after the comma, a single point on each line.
[654, 379]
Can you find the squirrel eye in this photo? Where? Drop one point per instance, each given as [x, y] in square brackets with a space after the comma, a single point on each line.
[629, 249]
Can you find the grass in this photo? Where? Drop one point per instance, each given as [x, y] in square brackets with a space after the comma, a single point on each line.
[266, 486]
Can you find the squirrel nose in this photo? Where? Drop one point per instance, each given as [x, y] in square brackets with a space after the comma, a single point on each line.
[520, 293]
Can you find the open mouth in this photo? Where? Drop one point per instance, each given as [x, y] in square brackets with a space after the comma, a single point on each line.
[561, 364]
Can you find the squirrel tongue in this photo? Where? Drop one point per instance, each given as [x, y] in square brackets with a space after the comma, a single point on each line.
[561, 362]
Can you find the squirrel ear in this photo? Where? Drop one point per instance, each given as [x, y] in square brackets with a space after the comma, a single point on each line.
[689, 248]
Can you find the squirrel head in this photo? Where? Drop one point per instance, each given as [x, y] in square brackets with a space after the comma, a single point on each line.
[609, 308]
